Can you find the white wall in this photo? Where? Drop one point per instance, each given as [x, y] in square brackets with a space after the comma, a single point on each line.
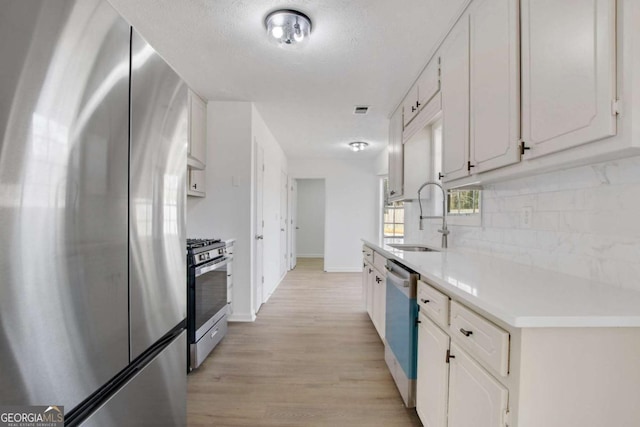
[351, 192]
[275, 162]
[585, 222]
[227, 210]
[311, 215]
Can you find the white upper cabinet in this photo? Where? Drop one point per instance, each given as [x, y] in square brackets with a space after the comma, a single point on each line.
[481, 90]
[197, 151]
[494, 84]
[454, 63]
[410, 105]
[429, 82]
[197, 183]
[475, 397]
[423, 90]
[568, 73]
[396, 157]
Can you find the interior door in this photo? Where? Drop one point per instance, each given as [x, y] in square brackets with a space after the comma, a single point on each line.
[284, 197]
[259, 227]
[294, 223]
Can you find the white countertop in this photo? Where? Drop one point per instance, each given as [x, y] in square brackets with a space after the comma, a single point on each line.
[519, 295]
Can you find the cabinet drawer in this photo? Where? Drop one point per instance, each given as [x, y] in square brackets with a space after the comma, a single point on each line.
[367, 254]
[433, 303]
[484, 340]
[380, 262]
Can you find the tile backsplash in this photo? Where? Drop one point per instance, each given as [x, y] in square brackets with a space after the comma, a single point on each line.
[583, 221]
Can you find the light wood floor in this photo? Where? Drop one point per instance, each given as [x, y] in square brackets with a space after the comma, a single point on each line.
[312, 358]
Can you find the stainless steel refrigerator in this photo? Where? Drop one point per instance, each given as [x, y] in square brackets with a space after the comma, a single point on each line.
[93, 140]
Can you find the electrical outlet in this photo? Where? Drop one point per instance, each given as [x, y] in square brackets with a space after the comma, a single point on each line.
[526, 217]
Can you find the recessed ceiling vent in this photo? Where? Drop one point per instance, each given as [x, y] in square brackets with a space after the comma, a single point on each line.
[361, 109]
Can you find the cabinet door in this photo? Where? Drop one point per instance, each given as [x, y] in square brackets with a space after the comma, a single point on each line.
[476, 399]
[494, 84]
[396, 156]
[433, 374]
[429, 82]
[370, 289]
[380, 309]
[197, 131]
[196, 183]
[230, 288]
[410, 105]
[455, 101]
[365, 283]
[568, 73]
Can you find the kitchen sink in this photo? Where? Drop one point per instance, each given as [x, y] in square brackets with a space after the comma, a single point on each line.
[412, 247]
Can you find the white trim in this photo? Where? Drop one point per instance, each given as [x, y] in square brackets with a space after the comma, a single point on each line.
[236, 317]
[344, 270]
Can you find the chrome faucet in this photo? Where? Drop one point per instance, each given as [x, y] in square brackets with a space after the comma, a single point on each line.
[444, 230]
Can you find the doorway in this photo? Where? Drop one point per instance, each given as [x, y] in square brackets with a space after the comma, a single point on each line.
[310, 218]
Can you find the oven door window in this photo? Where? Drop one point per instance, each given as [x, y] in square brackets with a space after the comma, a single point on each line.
[210, 294]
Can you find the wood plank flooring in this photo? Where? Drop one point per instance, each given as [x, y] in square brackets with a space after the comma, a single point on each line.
[312, 358]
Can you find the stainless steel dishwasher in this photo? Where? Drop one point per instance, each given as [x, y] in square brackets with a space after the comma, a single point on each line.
[401, 331]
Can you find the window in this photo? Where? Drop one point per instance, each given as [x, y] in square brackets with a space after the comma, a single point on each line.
[463, 202]
[392, 217]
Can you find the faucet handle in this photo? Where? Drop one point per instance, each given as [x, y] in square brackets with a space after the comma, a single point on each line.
[444, 231]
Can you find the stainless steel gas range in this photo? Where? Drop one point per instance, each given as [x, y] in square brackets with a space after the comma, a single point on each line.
[208, 263]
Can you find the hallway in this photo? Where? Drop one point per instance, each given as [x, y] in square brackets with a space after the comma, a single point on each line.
[312, 358]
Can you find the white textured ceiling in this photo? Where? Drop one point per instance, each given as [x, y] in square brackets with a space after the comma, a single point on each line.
[361, 52]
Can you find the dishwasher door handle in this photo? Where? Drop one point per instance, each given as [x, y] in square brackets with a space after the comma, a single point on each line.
[397, 280]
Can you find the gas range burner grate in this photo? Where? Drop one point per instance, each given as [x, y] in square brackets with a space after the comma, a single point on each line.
[199, 243]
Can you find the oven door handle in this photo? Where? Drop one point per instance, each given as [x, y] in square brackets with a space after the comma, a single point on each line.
[210, 267]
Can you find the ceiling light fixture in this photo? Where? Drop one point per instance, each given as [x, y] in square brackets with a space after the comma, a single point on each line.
[358, 145]
[286, 26]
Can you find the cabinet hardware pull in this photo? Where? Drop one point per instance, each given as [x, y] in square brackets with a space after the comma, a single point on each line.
[523, 147]
[195, 186]
[370, 271]
[417, 321]
[413, 109]
[417, 104]
[469, 166]
[392, 192]
[440, 176]
[228, 275]
[449, 356]
[425, 301]
[465, 332]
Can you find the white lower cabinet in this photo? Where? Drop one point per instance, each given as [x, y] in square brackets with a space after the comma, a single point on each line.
[433, 374]
[374, 288]
[379, 286]
[476, 399]
[454, 387]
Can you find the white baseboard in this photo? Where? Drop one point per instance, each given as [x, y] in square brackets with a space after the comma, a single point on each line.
[242, 317]
[344, 270]
[310, 256]
[274, 288]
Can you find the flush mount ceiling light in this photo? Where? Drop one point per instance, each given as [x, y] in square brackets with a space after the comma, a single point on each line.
[358, 145]
[286, 26]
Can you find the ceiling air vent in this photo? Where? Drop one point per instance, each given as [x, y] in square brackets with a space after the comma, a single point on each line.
[361, 109]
